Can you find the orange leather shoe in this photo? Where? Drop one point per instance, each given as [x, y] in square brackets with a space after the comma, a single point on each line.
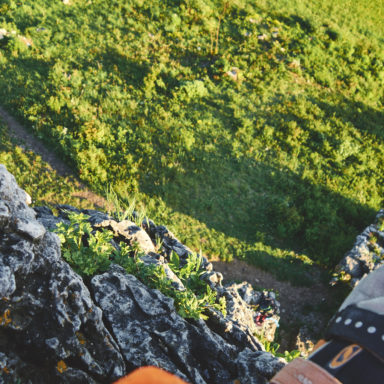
[150, 375]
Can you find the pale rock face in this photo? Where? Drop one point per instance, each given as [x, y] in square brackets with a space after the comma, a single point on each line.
[7, 281]
[3, 33]
[257, 367]
[30, 228]
[131, 231]
[13, 197]
[28, 199]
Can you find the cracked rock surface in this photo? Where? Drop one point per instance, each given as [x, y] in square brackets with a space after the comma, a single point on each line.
[50, 328]
[366, 255]
[56, 327]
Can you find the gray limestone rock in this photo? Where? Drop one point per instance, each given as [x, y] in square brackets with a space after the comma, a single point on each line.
[352, 265]
[7, 281]
[50, 328]
[45, 216]
[129, 231]
[234, 333]
[150, 332]
[257, 367]
[11, 193]
[53, 330]
[236, 328]
[169, 241]
[17, 370]
[4, 213]
[214, 279]
[255, 311]
[366, 255]
[245, 299]
[30, 228]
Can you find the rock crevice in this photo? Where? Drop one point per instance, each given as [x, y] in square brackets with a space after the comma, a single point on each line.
[55, 327]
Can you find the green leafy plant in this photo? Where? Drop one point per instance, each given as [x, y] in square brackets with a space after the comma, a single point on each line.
[190, 275]
[190, 272]
[87, 251]
[273, 348]
[90, 252]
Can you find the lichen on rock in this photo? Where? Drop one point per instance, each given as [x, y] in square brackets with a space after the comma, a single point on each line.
[57, 327]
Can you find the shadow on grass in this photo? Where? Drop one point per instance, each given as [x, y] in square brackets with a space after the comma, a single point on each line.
[255, 202]
[128, 70]
[363, 117]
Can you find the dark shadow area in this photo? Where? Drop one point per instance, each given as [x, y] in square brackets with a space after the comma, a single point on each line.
[363, 117]
[22, 82]
[256, 202]
[241, 198]
[128, 70]
[293, 20]
[20, 92]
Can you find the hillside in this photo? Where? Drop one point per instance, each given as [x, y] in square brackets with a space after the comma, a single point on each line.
[251, 129]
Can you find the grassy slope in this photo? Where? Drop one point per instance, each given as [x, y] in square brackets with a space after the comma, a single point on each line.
[282, 166]
[35, 176]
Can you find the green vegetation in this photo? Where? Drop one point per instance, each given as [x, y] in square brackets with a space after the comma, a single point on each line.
[34, 175]
[90, 259]
[251, 129]
[273, 347]
[90, 252]
[380, 224]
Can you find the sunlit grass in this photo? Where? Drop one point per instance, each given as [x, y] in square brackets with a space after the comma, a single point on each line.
[284, 159]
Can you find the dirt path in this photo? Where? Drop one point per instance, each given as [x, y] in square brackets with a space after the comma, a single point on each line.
[30, 142]
[305, 311]
[296, 302]
[292, 298]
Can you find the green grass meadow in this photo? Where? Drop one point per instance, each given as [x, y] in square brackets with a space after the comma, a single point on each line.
[43, 184]
[251, 129]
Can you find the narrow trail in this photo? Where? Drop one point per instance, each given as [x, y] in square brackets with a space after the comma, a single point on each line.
[304, 311]
[30, 142]
[296, 302]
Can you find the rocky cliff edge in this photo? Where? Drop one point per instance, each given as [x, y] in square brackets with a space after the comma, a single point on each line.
[56, 327]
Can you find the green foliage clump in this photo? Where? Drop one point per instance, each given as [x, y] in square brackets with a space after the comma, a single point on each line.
[273, 348]
[190, 275]
[380, 224]
[90, 252]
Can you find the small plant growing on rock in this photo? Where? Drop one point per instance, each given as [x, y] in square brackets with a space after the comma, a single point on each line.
[190, 274]
[87, 252]
[122, 210]
[380, 224]
[90, 252]
[273, 348]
